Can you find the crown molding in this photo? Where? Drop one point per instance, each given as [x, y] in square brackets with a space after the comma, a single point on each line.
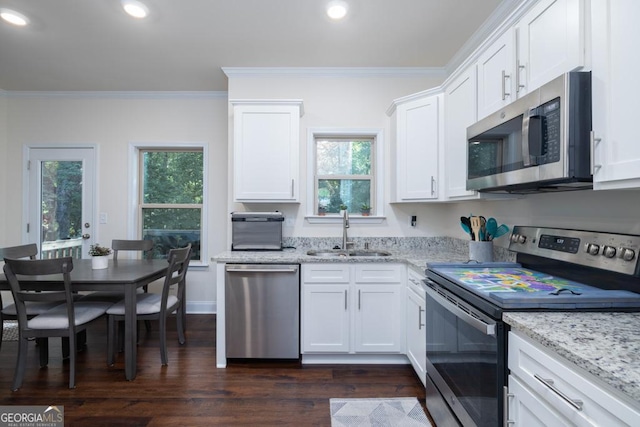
[334, 71]
[119, 94]
[503, 18]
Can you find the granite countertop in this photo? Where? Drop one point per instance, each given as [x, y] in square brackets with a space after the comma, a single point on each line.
[606, 345]
[415, 252]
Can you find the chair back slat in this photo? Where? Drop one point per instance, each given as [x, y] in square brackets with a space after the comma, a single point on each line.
[22, 251]
[145, 246]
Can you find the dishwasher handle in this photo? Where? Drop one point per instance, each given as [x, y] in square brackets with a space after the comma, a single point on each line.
[261, 270]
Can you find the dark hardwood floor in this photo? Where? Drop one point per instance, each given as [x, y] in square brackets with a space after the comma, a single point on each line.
[191, 391]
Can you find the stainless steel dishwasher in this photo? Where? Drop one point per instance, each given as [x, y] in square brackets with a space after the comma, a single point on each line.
[262, 311]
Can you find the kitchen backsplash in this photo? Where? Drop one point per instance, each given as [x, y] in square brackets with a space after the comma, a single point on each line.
[400, 244]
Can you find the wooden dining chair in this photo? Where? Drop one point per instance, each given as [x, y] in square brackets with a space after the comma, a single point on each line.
[33, 308]
[151, 306]
[65, 320]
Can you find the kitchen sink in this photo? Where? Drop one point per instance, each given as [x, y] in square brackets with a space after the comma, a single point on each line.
[340, 253]
[327, 253]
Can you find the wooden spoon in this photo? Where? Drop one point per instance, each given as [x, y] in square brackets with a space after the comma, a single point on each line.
[476, 225]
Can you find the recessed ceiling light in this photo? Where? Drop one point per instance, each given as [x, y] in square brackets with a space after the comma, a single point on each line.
[337, 9]
[13, 17]
[135, 8]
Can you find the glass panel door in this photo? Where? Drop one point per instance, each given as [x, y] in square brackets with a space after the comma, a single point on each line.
[61, 201]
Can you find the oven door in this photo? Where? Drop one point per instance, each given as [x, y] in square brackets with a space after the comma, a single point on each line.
[465, 362]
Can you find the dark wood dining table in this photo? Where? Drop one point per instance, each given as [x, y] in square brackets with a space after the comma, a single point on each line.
[123, 275]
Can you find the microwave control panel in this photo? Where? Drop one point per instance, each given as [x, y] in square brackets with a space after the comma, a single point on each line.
[545, 132]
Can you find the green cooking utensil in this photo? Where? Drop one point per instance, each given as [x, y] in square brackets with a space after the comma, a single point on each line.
[502, 230]
[492, 227]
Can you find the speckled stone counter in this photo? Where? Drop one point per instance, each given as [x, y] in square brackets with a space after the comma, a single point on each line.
[605, 344]
[416, 252]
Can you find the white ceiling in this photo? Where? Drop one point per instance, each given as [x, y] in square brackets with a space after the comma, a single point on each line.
[92, 45]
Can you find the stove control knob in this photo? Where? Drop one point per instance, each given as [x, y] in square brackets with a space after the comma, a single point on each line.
[519, 238]
[514, 237]
[627, 254]
[593, 249]
[609, 251]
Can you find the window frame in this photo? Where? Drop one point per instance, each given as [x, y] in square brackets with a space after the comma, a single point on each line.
[135, 217]
[377, 198]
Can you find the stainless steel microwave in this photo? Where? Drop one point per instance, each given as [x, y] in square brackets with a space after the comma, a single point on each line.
[540, 142]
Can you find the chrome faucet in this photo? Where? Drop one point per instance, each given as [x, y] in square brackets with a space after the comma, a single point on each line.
[345, 224]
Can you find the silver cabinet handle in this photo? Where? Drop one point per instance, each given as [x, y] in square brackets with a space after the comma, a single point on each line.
[261, 270]
[576, 403]
[292, 187]
[359, 298]
[420, 324]
[592, 149]
[505, 403]
[519, 68]
[345, 300]
[433, 182]
[505, 76]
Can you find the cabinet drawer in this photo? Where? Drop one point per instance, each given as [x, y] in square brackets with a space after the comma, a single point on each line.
[325, 273]
[378, 273]
[535, 366]
[414, 282]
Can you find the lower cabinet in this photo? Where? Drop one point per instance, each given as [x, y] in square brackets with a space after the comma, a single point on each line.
[416, 317]
[545, 389]
[352, 308]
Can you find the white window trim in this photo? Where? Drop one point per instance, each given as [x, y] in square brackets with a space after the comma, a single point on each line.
[134, 188]
[378, 134]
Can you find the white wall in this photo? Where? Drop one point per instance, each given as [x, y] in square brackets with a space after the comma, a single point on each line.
[4, 178]
[112, 121]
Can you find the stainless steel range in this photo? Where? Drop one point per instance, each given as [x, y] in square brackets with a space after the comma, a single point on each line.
[555, 269]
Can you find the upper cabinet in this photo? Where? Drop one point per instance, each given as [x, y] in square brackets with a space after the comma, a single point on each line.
[416, 128]
[495, 75]
[460, 113]
[266, 139]
[550, 41]
[547, 41]
[615, 33]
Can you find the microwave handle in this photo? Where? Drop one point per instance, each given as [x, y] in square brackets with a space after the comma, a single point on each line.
[531, 138]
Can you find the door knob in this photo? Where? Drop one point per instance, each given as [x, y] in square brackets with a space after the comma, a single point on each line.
[86, 236]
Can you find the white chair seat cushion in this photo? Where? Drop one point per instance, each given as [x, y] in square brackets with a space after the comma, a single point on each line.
[145, 304]
[56, 318]
[33, 308]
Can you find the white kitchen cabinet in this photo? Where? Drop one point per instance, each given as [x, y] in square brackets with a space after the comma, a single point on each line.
[352, 308]
[547, 41]
[266, 139]
[544, 386]
[415, 327]
[615, 35]
[550, 41]
[416, 127]
[495, 75]
[460, 102]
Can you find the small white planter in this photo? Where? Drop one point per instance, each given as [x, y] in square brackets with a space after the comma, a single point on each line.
[99, 262]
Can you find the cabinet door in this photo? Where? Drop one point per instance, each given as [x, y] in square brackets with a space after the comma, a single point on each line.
[265, 149]
[377, 317]
[615, 35]
[460, 113]
[416, 338]
[550, 42]
[417, 149]
[528, 409]
[495, 72]
[325, 318]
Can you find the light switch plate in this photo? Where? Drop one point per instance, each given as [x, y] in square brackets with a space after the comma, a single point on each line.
[103, 218]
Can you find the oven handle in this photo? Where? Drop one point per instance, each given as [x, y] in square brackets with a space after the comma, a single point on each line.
[485, 328]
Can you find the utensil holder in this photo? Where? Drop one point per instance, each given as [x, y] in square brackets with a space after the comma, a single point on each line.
[481, 251]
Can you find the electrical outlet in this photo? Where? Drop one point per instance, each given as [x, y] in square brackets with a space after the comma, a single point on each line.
[414, 220]
[289, 222]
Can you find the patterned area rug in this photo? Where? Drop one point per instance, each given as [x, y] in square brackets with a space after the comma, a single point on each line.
[10, 330]
[397, 412]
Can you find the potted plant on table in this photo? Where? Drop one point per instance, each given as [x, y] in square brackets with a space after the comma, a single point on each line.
[365, 209]
[99, 255]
